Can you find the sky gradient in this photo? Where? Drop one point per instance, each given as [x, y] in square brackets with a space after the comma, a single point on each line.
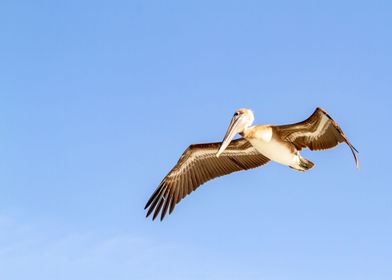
[99, 99]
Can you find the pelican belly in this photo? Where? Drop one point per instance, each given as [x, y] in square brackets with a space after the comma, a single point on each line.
[274, 148]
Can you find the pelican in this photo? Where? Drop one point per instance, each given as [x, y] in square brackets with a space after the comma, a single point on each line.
[257, 146]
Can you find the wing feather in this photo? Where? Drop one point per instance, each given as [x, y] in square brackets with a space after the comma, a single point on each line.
[318, 132]
[197, 165]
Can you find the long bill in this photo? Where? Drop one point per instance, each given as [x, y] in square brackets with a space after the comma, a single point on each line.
[230, 133]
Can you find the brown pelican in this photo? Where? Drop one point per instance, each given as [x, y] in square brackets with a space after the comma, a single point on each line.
[259, 144]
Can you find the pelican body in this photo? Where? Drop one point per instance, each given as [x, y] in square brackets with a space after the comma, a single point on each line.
[266, 140]
[257, 146]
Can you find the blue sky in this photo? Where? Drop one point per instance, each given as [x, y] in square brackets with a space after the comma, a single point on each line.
[99, 99]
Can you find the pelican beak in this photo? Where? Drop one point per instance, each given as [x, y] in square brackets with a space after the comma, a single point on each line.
[230, 133]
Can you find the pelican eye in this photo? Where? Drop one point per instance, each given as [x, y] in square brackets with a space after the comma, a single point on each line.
[236, 113]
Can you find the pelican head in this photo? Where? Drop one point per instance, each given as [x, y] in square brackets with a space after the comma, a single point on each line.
[242, 119]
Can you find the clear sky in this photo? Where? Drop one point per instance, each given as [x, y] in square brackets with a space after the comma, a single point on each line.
[98, 99]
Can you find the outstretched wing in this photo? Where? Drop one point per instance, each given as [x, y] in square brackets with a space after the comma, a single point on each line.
[197, 165]
[318, 132]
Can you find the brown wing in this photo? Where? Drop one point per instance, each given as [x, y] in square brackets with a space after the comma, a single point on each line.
[318, 132]
[197, 165]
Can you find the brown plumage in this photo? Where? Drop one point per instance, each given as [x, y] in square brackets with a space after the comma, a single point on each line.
[197, 165]
[303, 134]
[260, 144]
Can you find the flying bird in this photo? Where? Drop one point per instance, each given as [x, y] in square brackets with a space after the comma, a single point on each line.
[258, 145]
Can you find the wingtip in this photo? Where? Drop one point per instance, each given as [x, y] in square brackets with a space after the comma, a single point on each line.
[154, 217]
[357, 165]
[355, 152]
